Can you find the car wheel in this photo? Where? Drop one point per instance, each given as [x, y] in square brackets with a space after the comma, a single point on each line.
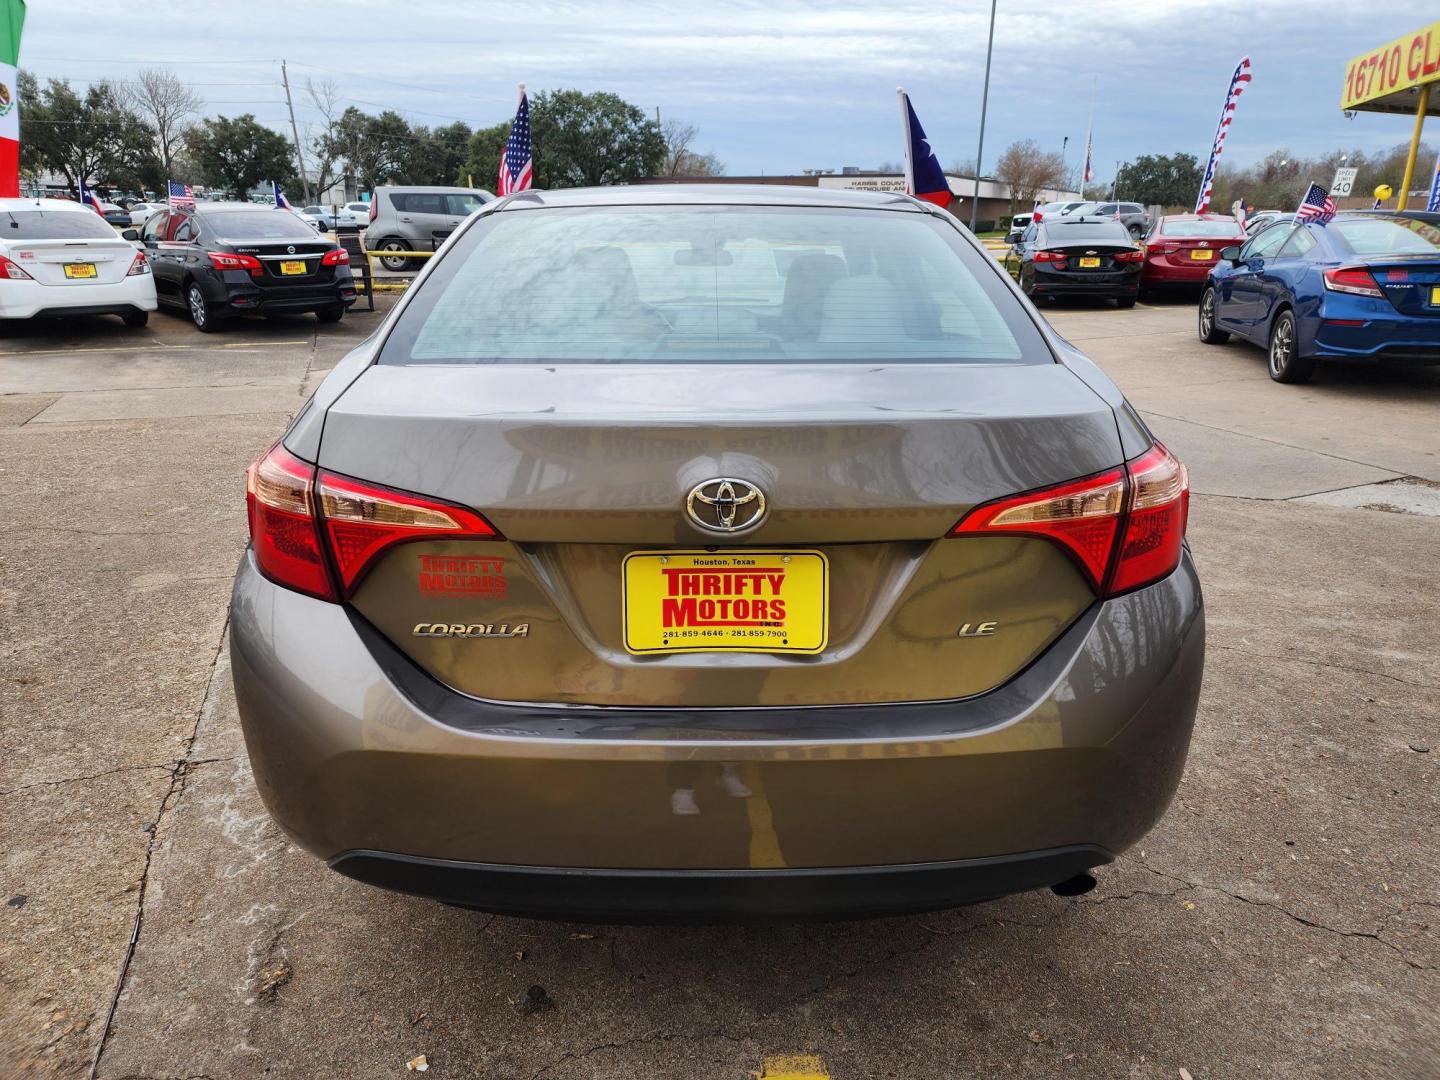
[1124, 302]
[330, 314]
[136, 319]
[201, 313]
[393, 263]
[1286, 365]
[1209, 333]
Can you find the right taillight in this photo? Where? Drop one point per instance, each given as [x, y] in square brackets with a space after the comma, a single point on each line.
[279, 494]
[373, 207]
[1352, 279]
[1123, 527]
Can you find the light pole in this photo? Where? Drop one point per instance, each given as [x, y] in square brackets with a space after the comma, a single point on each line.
[984, 102]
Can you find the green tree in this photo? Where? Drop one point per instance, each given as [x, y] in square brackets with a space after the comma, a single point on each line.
[435, 156]
[89, 136]
[482, 158]
[376, 148]
[591, 139]
[1160, 180]
[238, 153]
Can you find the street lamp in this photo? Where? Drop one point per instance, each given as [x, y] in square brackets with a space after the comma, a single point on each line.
[984, 102]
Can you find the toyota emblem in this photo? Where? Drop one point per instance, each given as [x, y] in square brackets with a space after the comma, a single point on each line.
[725, 505]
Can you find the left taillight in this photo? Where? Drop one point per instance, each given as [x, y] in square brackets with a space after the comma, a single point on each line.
[284, 533]
[1123, 527]
[338, 257]
[304, 521]
[138, 265]
[363, 520]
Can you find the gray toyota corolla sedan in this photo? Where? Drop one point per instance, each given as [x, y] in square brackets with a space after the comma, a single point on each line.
[716, 552]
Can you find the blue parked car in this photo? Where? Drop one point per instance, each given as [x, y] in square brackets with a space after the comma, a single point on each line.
[1364, 286]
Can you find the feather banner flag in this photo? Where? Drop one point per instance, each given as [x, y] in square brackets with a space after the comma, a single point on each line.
[12, 21]
[1238, 84]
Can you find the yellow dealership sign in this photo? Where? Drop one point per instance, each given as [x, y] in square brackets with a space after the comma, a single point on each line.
[1385, 79]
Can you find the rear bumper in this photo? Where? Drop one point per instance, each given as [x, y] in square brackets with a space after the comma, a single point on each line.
[1110, 284]
[1161, 273]
[234, 289]
[30, 299]
[684, 895]
[395, 779]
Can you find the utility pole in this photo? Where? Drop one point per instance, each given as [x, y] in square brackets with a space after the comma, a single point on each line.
[984, 102]
[295, 130]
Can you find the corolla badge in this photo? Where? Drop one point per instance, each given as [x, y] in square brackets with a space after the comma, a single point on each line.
[725, 505]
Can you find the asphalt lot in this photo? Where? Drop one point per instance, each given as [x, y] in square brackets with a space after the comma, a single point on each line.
[1282, 921]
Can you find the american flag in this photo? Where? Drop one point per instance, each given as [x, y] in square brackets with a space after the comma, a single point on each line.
[1088, 172]
[1317, 206]
[181, 197]
[515, 160]
[1238, 82]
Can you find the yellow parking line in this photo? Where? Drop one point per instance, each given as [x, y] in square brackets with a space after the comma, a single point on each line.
[792, 1067]
[765, 853]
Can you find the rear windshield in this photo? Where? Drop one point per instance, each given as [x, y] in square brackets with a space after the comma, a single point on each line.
[1387, 236]
[1087, 232]
[268, 224]
[689, 284]
[54, 225]
[1219, 229]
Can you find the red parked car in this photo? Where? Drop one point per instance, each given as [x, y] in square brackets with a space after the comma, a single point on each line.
[1181, 248]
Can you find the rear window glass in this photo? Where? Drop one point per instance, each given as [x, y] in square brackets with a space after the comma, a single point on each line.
[54, 225]
[1087, 232]
[650, 284]
[1218, 229]
[1387, 236]
[267, 224]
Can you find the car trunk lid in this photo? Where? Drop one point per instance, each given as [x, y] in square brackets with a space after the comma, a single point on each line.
[74, 262]
[581, 467]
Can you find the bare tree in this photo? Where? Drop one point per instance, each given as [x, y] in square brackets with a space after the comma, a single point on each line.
[680, 159]
[167, 105]
[1027, 169]
[325, 154]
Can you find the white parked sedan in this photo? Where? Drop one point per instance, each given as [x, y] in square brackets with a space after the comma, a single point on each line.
[58, 258]
[360, 211]
[142, 212]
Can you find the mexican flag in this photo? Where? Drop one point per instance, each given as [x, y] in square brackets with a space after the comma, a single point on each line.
[12, 21]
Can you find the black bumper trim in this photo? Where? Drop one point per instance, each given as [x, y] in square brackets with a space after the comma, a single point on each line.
[652, 895]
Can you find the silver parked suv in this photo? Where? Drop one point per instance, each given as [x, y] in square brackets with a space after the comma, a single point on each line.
[417, 219]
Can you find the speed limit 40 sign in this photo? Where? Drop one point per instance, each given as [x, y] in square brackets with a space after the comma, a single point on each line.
[1344, 181]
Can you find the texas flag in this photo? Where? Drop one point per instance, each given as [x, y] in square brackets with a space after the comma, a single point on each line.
[924, 178]
[88, 198]
[12, 21]
[281, 203]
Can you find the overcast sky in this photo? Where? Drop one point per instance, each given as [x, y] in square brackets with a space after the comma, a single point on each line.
[777, 87]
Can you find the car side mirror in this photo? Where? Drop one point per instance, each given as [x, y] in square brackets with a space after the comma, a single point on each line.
[130, 234]
[1013, 238]
[1230, 254]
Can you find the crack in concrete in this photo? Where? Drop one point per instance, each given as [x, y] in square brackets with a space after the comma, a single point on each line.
[1253, 902]
[170, 765]
[653, 1036]
[172, 798]
[1325, 664]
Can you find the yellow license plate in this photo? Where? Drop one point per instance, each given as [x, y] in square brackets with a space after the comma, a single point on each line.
[1202, 255]
[726, 601]
[1089, 264]
[79, 270]
[297, 267]
[1435, 295]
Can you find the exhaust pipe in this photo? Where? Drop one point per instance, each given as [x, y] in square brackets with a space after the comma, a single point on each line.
[1078, 885]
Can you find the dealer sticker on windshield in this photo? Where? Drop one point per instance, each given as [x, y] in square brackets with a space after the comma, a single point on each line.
[726, 601]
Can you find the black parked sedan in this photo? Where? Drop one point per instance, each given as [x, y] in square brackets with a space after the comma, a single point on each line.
[223, 259]
[1080, 257]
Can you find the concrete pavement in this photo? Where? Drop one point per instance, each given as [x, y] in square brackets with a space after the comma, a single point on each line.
[1280, 922]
